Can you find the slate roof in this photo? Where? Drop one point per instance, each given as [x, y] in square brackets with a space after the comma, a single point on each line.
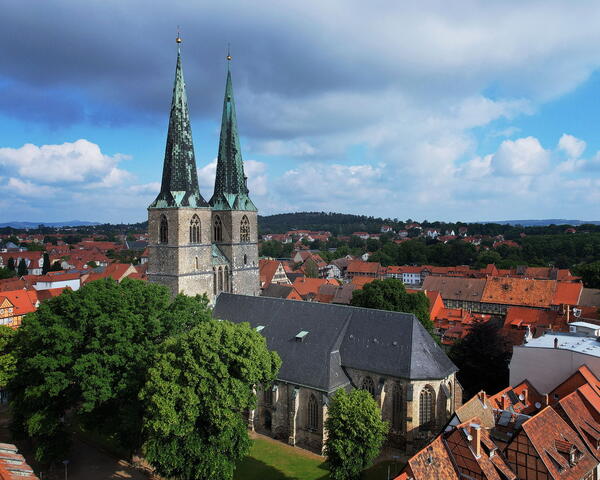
[387, 343]
[277, 290]
[231, 190]
[179, 187]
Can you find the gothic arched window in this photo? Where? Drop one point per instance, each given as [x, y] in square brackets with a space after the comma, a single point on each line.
[163, 233]
[426, 404]
[245, 229]
[369, 386]
[227, 280]
[195, 229]
[268, 395]
[220, 289]
[217, 229]
[397, 407]
[215, 280]
[313, 413]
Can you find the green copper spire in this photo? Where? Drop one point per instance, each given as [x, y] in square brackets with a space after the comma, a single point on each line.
[179, 181]
[231, 191]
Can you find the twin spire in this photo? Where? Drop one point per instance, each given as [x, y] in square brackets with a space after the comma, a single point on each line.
[179, 186]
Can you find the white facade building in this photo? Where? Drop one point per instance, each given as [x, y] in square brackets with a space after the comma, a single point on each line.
[544, 361]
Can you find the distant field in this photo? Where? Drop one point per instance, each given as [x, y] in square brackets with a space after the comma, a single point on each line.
[272, 460]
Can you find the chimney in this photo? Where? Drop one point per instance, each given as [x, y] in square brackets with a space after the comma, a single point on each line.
[526, 395]
[555, 342]
[546, 399]
[476, 439]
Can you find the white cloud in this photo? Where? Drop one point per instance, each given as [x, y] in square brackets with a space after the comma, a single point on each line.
[571, 145]
[28, 189]
[75, 162]
[524, 156]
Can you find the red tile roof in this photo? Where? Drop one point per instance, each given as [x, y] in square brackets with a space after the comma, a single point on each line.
[360, 267]
[360, 281]
[529, 400]
[567, 293]
[519, 291]
[550, 435]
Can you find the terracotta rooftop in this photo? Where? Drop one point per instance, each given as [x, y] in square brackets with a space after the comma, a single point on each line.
[519, 291]
[567, 293]
[358, 266]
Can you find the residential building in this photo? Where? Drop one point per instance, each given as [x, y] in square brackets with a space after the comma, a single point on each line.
[554, 355]
[272, 271]
[15, 304]
[365, 269]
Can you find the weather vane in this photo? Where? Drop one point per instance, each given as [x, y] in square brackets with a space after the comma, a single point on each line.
[228, 53]
[178, 39]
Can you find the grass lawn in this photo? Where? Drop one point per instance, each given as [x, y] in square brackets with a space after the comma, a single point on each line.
[272, 460]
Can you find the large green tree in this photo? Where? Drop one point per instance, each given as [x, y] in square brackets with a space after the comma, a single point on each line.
[22, 269]
[46, 265]
[355, 433]
[7, 359]
[86, 353]
[200, 384]
[390, 294]
[590, 274]
[6, 273]
[482, 359]
[10, 264]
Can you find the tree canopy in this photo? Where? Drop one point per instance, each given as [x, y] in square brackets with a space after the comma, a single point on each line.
[355, 433]
[22, 268]
[390, 294]
[200, 384]
[86, 353]
[482, 358]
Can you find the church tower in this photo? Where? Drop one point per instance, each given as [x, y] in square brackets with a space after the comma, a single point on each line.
[234, 216]
[179, 220]
[198, 247]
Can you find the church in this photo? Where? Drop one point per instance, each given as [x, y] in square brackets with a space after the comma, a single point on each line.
[325, 347]
[195, 246]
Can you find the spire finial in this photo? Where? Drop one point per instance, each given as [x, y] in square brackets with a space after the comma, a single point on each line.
[178, 39]
[228, 53]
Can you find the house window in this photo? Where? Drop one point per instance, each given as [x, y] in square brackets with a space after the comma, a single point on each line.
[195, 230]
[397, 407]
[313, 413]
[369, 386]
[218, 229]
[163, 235]
[245, 229]
[426, 404]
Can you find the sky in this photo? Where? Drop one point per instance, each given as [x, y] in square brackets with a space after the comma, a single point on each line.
[474, 111]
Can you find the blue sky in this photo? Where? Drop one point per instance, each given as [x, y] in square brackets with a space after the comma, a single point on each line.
[485, 111]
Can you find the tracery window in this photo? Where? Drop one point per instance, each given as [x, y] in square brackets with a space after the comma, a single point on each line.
[218, 229]
[245, 229]
[397, 407]
[426, 405]
[195, 229]
[163, 233]
[313, 413]
[227, 280]
[268, 395]
[369, 386]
